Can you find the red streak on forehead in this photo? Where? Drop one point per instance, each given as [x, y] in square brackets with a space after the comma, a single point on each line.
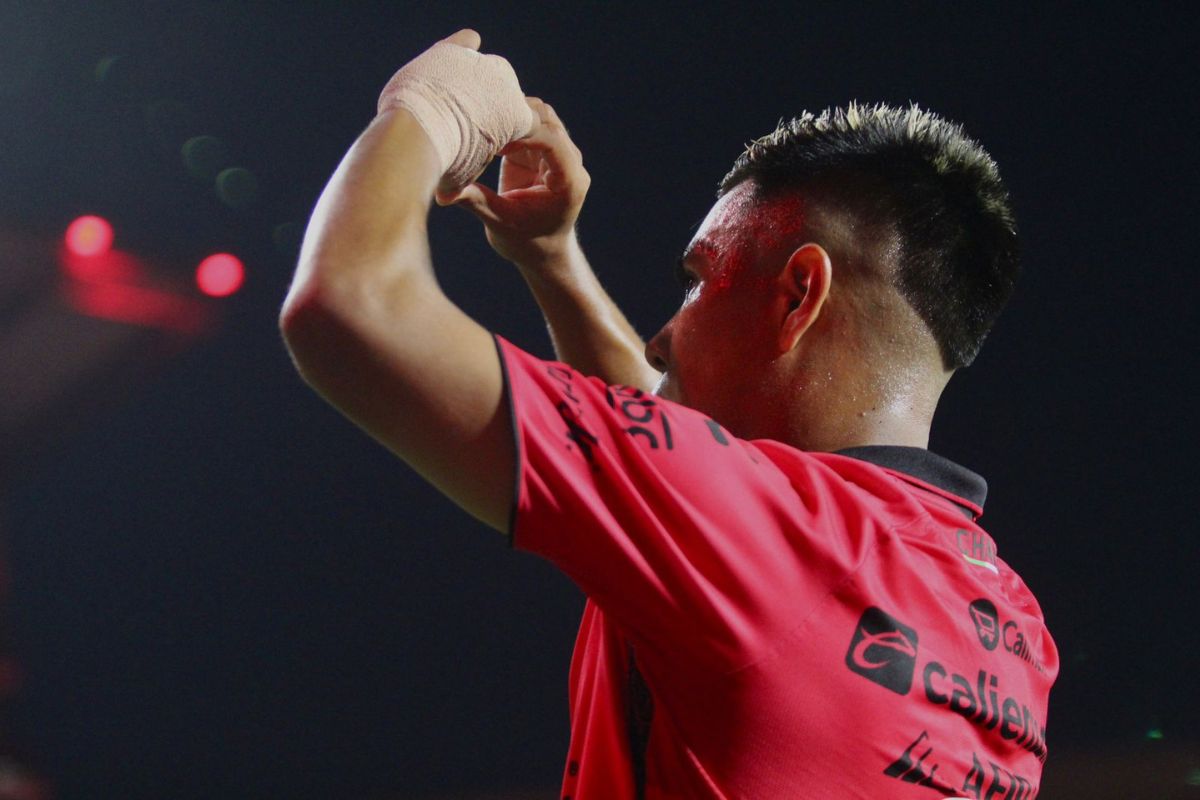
[702, 249]
[777, 220]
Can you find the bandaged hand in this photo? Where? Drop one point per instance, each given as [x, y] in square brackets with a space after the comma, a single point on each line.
[530, 220]
[468, 103]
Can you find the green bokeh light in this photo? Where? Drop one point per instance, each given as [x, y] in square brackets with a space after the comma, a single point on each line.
[205, 157]
[103, 67]
[237, 187]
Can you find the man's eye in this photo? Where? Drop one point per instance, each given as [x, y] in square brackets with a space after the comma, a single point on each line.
[686, 279]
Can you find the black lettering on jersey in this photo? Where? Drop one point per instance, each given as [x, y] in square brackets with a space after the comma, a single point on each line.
[638, 430]
[910, 766]
[717, 434]
[985, 780]
[613, 394]
[569, 410]
[983, 704]
[565, 379]
[641, 409]
[994, 782]
[973, 783]
[578, 434]
[638, 410]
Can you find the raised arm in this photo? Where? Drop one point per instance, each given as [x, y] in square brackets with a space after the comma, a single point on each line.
[365, 320]
[531, 222]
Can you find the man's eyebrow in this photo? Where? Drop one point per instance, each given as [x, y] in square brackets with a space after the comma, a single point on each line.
[702, 248]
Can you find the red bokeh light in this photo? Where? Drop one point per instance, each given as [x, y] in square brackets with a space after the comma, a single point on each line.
[220, 275]
[89, 236]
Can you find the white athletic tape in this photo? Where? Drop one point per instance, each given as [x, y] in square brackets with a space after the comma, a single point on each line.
[470, 105]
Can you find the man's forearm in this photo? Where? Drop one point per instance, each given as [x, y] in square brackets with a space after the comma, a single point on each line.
[368, 227]
[589, 332]
[371, 331]
[531, 222]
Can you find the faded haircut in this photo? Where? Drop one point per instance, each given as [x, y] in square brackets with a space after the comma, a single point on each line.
[919, 177]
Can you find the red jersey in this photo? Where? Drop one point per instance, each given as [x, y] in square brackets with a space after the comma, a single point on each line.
[767, 622]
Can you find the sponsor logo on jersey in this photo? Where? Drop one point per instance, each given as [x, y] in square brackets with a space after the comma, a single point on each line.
[915, 766]
[984, 779]
[982, 703]
[976, 548]
[883, 650]
[570, 408]
[987, 622]
[992, 631]
[650, 424]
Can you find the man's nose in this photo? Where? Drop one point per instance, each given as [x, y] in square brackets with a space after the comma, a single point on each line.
[658, 348]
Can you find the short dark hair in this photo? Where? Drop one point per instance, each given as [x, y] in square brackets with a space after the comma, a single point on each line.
[928, 183]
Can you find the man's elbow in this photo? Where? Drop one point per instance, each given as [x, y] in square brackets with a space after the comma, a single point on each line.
[312, 324]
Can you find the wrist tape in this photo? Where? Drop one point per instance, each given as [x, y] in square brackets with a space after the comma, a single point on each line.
[469, 104]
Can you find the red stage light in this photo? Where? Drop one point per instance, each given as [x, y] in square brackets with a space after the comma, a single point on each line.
[89, 236]
[220, 275]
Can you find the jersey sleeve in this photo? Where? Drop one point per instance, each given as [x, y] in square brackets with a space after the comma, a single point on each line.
[689, 538]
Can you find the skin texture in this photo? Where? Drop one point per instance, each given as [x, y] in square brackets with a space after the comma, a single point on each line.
[370, 330]
[781, 336]
[868, 373]
[777, 338]
[717, 352]
[529, 220]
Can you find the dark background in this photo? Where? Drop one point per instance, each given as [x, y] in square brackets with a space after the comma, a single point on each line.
[221, 588]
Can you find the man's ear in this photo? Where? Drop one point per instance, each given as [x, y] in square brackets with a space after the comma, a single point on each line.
[805, 284]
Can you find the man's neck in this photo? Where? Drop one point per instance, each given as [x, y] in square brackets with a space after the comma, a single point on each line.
[863, 432]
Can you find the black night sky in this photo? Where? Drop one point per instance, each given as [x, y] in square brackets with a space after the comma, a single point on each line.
[220, 588]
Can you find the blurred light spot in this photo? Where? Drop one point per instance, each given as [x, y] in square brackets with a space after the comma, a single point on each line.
[138, 305]
[205, 157]
[104, 67]
[89, 236]
[110, 267]
[220, 275]
[1193, 778]
[1154, 733]
[287, 237]
[237, 187]
[130, 76]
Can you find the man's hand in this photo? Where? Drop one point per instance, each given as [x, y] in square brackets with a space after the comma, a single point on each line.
[531, 219]
[470, 104]
[531, 222]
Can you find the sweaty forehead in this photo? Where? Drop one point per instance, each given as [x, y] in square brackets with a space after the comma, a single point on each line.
[747, 219]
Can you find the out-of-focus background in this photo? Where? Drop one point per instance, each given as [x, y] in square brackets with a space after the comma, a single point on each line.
[216, 587]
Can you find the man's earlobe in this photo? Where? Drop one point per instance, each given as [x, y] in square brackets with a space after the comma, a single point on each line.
[806, 280]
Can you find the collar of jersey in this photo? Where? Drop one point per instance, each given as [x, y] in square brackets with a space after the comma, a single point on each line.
[958, 484]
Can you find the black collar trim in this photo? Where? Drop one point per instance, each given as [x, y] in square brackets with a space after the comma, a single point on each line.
[925, 466]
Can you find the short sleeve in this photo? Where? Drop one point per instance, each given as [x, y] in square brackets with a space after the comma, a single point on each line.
[691, 539]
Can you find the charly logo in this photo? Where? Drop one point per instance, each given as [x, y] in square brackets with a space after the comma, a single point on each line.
[977, 548]
[987, 622]
[994, 631]
[883, 650]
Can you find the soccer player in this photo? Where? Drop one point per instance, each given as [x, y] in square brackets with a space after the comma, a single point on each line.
[788, 595]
